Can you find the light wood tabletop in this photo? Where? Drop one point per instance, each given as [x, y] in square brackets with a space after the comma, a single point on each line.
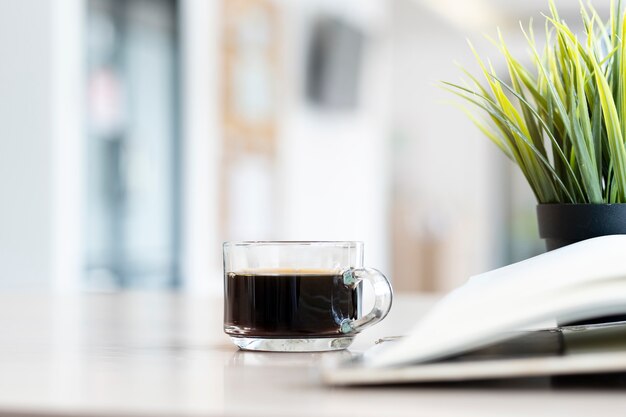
[159, 354]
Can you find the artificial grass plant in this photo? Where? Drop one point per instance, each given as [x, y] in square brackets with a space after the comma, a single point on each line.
[561, 118]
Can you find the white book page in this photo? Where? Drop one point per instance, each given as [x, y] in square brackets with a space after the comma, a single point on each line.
[571, 283]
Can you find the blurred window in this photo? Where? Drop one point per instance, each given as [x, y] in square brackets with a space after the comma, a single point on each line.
[132, 191]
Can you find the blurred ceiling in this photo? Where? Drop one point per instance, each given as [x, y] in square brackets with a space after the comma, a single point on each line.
[527, 8]
[480, 14]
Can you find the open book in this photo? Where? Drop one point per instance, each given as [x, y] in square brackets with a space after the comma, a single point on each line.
[577, 282]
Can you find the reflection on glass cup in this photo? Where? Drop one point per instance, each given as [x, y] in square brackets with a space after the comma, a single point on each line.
[298, 296]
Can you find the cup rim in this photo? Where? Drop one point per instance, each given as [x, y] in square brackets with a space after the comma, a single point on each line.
[336, 243]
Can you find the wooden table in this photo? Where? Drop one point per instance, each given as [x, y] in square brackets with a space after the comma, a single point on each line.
[165, 355]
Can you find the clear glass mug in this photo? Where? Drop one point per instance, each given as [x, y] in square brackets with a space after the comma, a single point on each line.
[298, 296]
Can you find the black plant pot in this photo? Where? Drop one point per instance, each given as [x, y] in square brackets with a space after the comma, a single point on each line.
[564, 224]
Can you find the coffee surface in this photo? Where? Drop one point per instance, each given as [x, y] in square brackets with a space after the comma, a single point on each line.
[288, 303]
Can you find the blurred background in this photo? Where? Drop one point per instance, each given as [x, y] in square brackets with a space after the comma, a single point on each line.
[137, 135]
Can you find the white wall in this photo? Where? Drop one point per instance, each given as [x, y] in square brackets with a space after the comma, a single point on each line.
[68, 138]
[201, 249]
[334, 166]
[443, 165]
[40, 144]
[25, 144]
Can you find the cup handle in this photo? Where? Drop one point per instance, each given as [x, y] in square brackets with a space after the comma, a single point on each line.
[382, 302]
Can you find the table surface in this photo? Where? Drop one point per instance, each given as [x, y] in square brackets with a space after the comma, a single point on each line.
[165, 354]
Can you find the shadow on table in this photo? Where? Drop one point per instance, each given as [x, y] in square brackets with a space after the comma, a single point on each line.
[589, 382]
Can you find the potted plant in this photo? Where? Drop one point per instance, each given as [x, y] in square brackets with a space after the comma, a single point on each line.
[562, 120]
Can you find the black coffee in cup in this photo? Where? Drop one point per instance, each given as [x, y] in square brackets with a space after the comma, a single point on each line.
[299, 296]
[288, 303]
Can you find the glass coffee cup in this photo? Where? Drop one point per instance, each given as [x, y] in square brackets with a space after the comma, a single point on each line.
[298, 296]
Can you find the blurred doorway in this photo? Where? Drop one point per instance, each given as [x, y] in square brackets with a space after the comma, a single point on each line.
[132, 230]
